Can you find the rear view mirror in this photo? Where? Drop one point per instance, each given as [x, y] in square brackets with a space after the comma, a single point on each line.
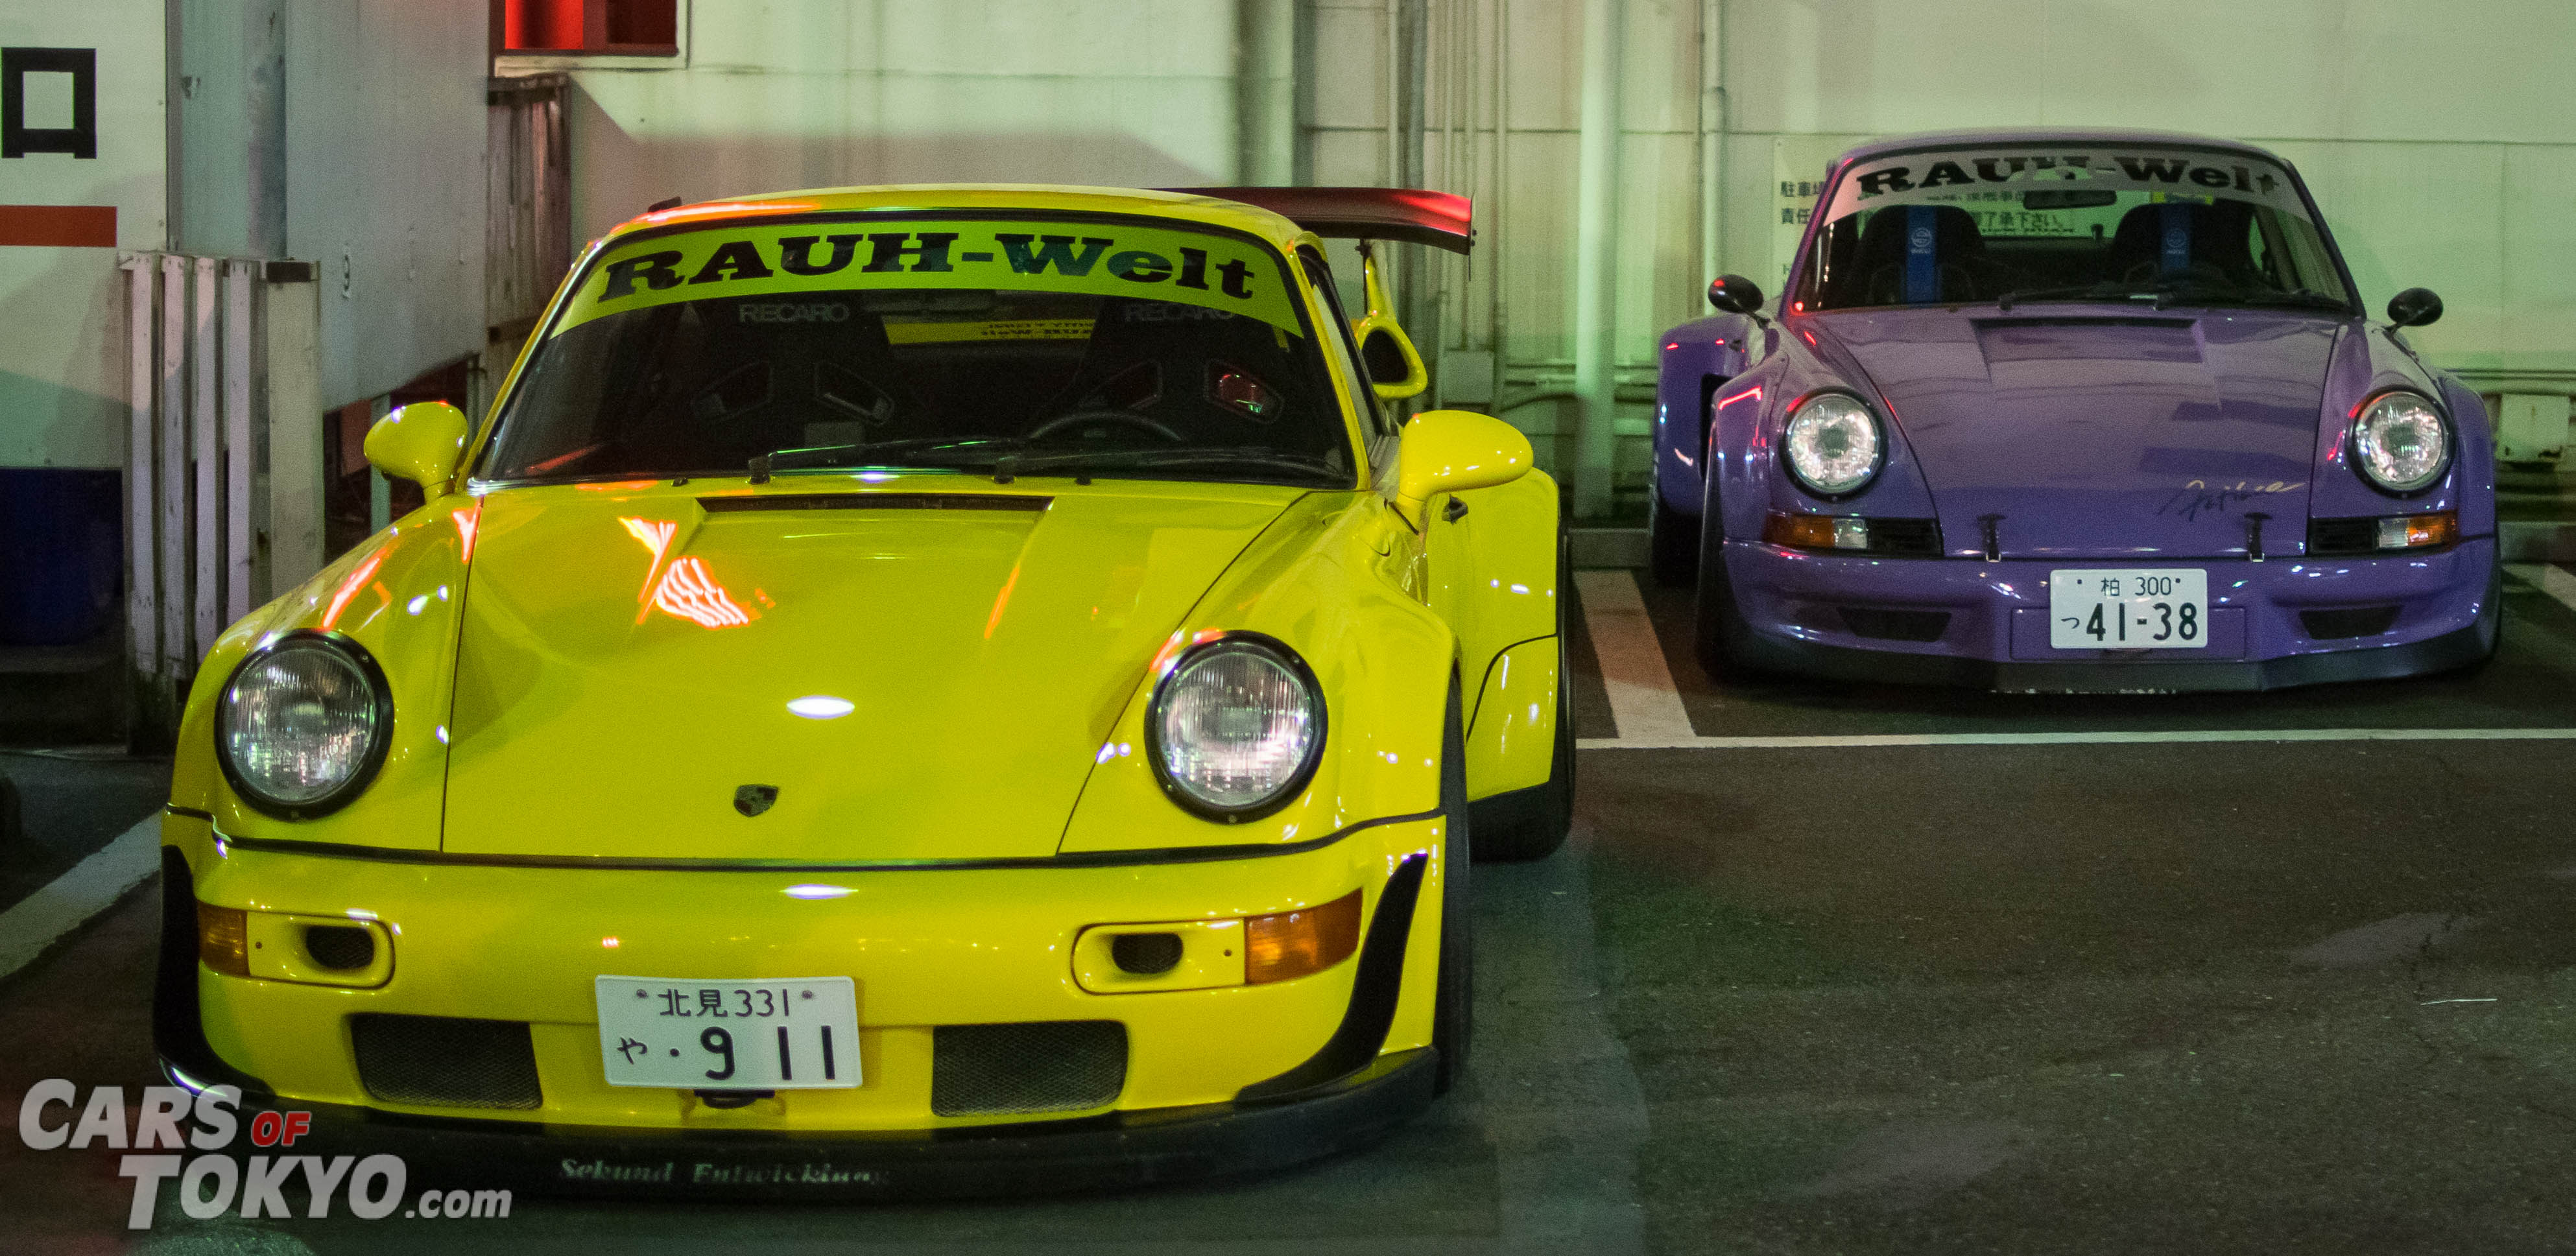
[1735, 294]
[421, 442]
[1451, 451]
[2086, 198]
[2415, 307]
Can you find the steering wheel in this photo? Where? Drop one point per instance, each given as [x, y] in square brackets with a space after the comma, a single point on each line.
[1117, 418]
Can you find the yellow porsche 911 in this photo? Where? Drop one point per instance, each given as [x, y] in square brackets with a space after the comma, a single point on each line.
[911, 690]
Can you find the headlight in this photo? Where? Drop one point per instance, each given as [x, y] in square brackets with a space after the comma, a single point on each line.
[2400, 443]
[1834, 446]
[1235, 727]
[302, 725]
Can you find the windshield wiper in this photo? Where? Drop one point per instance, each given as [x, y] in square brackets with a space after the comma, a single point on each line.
[2302, 299]
[2104, 290]
[852, 455]
[1087, 460]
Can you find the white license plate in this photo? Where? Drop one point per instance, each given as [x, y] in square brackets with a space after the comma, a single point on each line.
[785, 1033]
[2128, 609]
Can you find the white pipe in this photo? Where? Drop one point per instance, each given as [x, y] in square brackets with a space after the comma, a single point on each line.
[1712, 142]
[1596, 259]
[238, 555]
[205, 452]
[1492, 211]
[171, 485]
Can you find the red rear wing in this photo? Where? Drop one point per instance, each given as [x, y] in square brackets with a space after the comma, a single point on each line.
[1411, 215]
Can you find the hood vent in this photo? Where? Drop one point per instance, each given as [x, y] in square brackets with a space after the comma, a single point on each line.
[874, 501]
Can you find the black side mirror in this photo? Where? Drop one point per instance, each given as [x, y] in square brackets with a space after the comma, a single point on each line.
[1735, 294]
[2414, 307]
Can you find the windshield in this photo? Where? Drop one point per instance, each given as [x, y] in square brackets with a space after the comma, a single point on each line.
[1105, 346]
[2059, 223]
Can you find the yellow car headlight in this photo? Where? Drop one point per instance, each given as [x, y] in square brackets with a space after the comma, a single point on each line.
[1235, 727]
[303, 725]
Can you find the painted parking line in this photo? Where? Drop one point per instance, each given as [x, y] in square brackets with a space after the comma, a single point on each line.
[1643, 701]
[28, 929]
[2548, 578]
[2167, 736]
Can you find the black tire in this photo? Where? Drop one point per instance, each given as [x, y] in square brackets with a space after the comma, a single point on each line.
[1672, 543]
[1538, 819]
[1453, 1020]
[2491, 623]
[1717, 625]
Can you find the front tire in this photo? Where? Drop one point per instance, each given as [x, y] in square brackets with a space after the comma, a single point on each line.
[1534, 821]
[1717, 624]
[1672, 543]
[1453, 1020]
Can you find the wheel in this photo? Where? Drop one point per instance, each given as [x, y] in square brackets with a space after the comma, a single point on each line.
[1538, 818]
[1717, 625]
[1672, 543]
[2490, 624]
[1453, 1006]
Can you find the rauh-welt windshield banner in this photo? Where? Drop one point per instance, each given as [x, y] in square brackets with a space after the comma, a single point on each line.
[1100, 258]
[1949, 177]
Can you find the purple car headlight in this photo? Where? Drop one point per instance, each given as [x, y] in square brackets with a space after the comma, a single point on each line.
[1833, 444]
[2400, 443]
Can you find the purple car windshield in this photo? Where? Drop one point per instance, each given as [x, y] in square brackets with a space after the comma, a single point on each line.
[2065, 222]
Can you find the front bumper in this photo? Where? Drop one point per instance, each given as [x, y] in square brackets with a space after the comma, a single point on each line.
[1217, 1080]
[1825, 614]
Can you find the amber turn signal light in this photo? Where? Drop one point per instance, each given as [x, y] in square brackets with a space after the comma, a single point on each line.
[1823, 532]
[223, 939]
[2419, 531]
[1296, 943]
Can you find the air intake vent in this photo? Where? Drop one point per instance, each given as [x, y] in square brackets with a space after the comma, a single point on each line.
[1040, 1066]
[2342, 536]
[1878, 625]
[1912, 538]
[2358, 621]
[343, 948]
[446, 1061]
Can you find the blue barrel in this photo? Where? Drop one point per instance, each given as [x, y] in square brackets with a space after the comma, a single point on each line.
[62, 554]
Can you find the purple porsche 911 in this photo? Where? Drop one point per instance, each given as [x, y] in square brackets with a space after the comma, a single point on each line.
[2072, 411]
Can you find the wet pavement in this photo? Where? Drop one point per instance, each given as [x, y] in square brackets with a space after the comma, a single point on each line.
[2225, 996]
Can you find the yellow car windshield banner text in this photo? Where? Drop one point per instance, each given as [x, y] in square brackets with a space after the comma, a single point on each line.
[1101, 258]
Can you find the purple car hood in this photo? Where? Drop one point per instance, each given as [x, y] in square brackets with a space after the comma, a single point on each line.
[2104, 433]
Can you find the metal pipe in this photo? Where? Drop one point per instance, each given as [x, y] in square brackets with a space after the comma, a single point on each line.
[1495, 206]
[1596, 259]
[1712, 142]
[1413, 90]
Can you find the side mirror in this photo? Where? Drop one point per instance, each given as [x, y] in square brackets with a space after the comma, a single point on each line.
[1451, 451]
[1394, 365]
[1735, 294]
[421, 442]
[2414, 307]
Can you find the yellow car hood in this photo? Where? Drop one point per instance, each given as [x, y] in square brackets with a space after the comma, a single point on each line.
[919, 669]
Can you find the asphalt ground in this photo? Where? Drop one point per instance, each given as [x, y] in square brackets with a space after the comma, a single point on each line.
[2242, 995]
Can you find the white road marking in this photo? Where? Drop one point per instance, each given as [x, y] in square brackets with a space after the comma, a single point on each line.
[2081, 739]
[42, 918]
[1643, 700]
[2551, 579]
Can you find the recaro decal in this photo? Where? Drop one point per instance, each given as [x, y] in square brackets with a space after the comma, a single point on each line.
[1215, 274]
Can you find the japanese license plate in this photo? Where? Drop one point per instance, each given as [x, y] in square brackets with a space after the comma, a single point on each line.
[785, 1033]
[2127, 609]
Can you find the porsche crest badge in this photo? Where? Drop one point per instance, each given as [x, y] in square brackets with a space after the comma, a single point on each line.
[751, 800]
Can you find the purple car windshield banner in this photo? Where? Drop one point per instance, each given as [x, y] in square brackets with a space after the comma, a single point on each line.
[2045, 178]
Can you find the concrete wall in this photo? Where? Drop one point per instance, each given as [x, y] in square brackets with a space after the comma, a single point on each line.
[769, 95]
[62, 358]
[2437, 138]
